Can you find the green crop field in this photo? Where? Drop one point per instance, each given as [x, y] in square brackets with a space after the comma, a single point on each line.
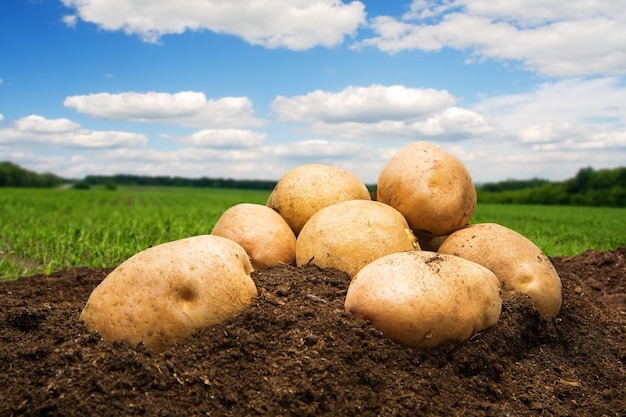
[560, 230]
[44, 230]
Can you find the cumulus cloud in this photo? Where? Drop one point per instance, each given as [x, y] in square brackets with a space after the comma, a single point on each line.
[186, 108]
[548, 37]
[261, 162]
[577, 101]
[292, 24]
[364, 104]
[185, 162]
[525, 13]
[36, 129]
[1, 117]
[224, 138]
[382, 112]
[566, 137]
[194, 163]
[70, 20]
[362, 159]
[453, 123]
[40, 125]
[552, 131]
[317, 148]
[181, 155]
[549, 132]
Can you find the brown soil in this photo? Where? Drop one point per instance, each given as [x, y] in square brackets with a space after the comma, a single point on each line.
[295, 352]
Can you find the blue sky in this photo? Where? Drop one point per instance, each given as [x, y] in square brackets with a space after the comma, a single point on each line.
[250, 89]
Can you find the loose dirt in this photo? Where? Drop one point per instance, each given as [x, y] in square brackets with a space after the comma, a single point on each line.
[296, 353]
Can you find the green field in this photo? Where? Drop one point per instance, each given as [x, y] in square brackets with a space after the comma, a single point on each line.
[44, 230]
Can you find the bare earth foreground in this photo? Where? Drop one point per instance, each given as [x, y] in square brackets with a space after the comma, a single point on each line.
[295, 352]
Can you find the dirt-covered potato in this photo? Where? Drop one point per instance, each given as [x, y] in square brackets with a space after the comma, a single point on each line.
[306, 189]
[517, 262]
[163, 294]
[425, 299]
[263, 233]
[349, 235]
[430, 187]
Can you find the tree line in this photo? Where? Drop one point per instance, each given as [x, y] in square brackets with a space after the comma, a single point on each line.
[590, 187]
[165, 181]
[12, 175]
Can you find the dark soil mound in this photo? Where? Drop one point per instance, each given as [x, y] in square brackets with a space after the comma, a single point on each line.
[295, 352]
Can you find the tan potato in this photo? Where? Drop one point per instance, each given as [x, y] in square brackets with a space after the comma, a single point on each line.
[430, 187]
[163, 294]
[263, 233]
[517, 262]
[425, 299]
[349, 235]
[306, 189]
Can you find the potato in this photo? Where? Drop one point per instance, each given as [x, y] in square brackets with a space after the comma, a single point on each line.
[306, 189]
[425, 299]
[263, 233]
[349, 235]
[517, 262]
[163, 294]
[430, 187]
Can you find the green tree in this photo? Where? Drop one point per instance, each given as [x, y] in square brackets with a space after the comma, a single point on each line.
[12, 175]
[580, 182]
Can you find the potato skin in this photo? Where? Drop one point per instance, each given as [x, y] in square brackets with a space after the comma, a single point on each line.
[306, 189]
[263, 233]
[430, 187]
[164, 293]
[517, 262]
[425, 299]
[349, 235]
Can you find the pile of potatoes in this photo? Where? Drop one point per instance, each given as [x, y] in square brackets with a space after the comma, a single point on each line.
[420, 273]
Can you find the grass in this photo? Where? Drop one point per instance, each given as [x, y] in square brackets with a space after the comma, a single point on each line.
[560, 230]
[44, 230]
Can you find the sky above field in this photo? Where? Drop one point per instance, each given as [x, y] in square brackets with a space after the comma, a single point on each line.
[250, 89]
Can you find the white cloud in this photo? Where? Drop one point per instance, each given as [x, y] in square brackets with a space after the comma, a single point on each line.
[362, 159]
[185, 162]
[186, 108]
[179, 155]
[533, 12]
[549, 132]
[549, 37]
[561, 137]
[552, 131]
[38, 124]
[70, 20]
[1, 117]
[293, 24]
[224, 138]
[138, 106]
[365, 104]
[317, 148]
[382, 112]
[576, 101]
[38, 130]
[453, 123]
